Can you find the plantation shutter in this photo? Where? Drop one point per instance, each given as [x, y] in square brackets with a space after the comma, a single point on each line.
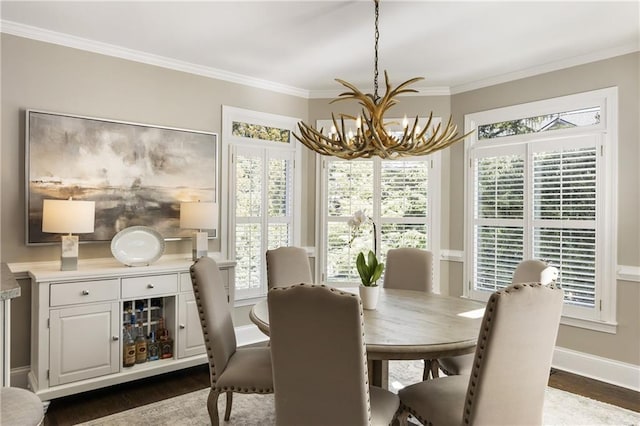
[248, 211]
[404, 190]
[541, 205]
[499, 202]
[393, 193]
[564, 212]
[263, 213]
[349, 188]
[280, 199]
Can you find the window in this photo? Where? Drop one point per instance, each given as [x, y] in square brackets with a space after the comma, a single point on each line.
[398, 195]
[543, 187]
[264, 199]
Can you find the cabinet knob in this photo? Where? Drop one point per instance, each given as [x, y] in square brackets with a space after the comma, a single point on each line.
[182, 326]
[150, 286]
[85, 292]
[114, 338]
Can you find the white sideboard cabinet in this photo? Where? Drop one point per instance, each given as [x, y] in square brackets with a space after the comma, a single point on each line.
[78, 320]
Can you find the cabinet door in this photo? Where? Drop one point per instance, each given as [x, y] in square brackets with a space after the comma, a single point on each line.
[84, 342]
[190, 339]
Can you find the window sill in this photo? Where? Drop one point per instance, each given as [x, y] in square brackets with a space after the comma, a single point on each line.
[602, 326]
[588, 324]
[249, 301]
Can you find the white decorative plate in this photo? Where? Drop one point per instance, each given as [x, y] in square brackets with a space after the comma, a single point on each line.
[137, 246]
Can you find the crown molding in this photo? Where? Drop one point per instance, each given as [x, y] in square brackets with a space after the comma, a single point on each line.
[551, 66]
[47, 36]
[35, 33]
[54, 37]
[421, 91]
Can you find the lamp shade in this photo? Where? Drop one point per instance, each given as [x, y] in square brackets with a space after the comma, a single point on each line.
[196, 215]
[68, 216]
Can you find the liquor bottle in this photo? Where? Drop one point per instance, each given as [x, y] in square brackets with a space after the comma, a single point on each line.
[128, 348]
[133, 318]
[127, 313]
[166, 343]
[141, 345]
[153, 347]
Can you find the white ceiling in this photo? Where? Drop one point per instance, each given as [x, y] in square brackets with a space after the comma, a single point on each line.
[301, 46]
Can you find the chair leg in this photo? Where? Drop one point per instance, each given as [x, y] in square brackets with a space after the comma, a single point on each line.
[427, 370]
[227, 410]
[431, 369]
[212, 407]
[402, 419]
[435, 369]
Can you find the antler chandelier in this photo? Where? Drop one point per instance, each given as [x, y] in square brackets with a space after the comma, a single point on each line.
[372, 136]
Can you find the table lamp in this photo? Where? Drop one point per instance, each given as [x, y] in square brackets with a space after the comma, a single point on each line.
[199, 216]
[67, 217]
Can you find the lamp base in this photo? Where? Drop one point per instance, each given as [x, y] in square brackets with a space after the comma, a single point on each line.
[200, 245]
[69, 253]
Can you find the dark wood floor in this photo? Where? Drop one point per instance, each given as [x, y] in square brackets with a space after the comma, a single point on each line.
[103, 402]
[92, 405]
[595, 389]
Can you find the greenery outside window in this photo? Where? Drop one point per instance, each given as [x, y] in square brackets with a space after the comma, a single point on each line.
[582, 117]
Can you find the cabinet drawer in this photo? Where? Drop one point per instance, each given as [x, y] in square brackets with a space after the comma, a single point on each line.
[83, 292]
[149, 286]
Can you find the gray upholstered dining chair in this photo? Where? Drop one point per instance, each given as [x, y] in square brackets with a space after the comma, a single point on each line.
[527, 271]
[320, 360]
[510, 369]
[20, 407]
[410, 269]
[232, 369]
[287, 266]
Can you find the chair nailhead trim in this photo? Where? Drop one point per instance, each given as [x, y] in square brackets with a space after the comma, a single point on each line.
[489, 312]
[364, 347]
[209, 347]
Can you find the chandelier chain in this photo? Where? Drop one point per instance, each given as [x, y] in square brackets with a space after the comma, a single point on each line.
[375, 67]
[372, 136]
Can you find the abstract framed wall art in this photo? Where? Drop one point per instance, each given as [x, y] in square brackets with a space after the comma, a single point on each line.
[137, 174]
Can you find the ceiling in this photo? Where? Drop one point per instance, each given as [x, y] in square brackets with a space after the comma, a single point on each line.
[301, 46]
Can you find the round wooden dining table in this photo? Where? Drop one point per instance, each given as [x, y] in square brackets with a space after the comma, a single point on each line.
[409, 324]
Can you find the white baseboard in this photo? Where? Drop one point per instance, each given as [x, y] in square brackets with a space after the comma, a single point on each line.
[19, 377]
[598, 368]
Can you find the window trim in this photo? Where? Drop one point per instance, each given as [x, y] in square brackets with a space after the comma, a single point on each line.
[607, 209]
[228, 144]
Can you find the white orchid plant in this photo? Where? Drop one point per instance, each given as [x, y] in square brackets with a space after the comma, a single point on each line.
[369, 269]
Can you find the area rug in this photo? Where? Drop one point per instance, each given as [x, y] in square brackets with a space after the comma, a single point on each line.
[561, 408]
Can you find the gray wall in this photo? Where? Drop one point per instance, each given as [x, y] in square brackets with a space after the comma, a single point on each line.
[54, 78]
[624, 72]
